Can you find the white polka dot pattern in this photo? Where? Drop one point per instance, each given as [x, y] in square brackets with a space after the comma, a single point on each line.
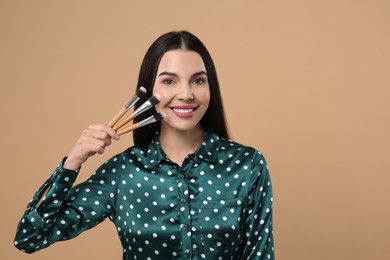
[216, 205]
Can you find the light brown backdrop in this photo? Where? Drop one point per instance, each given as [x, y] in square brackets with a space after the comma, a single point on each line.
[306, 82]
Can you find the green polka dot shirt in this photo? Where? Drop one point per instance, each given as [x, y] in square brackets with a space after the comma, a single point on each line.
[216, 205]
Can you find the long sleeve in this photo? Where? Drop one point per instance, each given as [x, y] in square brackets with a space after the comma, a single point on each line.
[65, 212]
[259, 242]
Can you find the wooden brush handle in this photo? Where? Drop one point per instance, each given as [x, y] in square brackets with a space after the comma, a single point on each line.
[128, 129]
[122, 123]
[117, 117]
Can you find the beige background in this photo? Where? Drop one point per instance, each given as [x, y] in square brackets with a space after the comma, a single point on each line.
[306, 82]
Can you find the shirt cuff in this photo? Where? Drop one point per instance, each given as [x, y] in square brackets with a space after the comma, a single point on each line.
[65, 176]
[35, 219]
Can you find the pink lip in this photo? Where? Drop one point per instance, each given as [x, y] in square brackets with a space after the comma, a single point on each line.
[183, 107]
[184, 114]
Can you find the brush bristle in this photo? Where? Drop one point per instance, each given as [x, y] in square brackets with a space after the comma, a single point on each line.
[141, 91]
[159, 116]
[154, 99]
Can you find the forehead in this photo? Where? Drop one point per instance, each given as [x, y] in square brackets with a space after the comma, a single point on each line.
[181, 61]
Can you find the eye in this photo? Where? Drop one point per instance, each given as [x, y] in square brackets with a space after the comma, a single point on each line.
[199, 81]
[168, 82]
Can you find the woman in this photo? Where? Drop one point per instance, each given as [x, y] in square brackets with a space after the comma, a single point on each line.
[183, 191]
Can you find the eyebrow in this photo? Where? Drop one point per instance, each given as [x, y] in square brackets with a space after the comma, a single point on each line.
[175, 75]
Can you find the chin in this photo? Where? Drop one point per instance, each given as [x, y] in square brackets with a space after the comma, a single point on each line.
[183, 127]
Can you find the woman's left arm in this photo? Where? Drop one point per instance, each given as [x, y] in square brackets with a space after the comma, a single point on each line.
[259, 241]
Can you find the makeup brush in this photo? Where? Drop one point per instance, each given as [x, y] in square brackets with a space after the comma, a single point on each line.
[140, 92]
[152, 119]
[155, 99]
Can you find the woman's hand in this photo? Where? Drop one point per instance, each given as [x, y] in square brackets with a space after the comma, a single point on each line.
[93, 140]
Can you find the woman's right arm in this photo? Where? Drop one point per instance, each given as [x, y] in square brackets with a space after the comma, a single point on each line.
[64, 212]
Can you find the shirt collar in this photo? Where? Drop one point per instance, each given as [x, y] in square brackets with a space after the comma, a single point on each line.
[207, 150]
[154, 153]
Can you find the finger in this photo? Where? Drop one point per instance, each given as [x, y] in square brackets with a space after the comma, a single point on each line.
[101, 135]
[95, 144]
[110, 132]
[92, 149]
[100, 150]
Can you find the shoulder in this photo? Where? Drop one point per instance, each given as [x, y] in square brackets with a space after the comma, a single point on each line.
[127, 155]
[233, 150]
[134, 152]
[117, 163]
[231, 146]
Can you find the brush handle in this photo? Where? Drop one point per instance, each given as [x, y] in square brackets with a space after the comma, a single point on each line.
[117, 117]
[128, 129]
[123, 122]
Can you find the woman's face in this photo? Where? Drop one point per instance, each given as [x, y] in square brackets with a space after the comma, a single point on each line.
[181, 81]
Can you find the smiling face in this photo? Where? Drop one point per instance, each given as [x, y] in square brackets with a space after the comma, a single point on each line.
[181, 81]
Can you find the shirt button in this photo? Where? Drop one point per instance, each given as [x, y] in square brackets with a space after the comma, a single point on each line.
[184, 226]
[186, 252]
[181, 176]
[183, 201]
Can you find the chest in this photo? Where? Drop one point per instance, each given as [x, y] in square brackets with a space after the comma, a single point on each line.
[202, 205]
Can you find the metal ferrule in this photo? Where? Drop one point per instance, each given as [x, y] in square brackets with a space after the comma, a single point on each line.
[142, 108]
[131, 102]
[147, 121]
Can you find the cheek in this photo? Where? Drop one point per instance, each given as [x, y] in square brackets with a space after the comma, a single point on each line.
[206, 97]
[164, 101]
[157, 90]
[157, 107]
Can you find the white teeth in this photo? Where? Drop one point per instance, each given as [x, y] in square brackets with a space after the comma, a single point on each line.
[183, 111]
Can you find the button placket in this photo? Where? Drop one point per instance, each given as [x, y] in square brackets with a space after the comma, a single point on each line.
[184, 213]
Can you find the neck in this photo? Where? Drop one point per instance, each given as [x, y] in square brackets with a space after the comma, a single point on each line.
[178, 144]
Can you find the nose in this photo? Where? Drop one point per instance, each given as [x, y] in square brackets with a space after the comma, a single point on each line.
[185, 93]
